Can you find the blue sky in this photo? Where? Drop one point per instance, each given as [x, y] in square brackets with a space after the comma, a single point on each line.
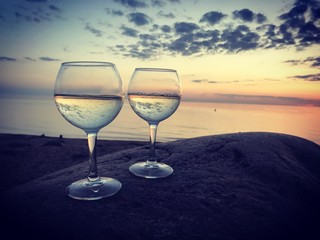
[227, 51]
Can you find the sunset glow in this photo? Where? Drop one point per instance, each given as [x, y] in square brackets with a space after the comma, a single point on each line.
[264, 52]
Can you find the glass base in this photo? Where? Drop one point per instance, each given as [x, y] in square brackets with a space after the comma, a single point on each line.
[93, 190]
[150, 170]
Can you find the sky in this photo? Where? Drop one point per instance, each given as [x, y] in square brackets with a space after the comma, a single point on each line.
[231, 51]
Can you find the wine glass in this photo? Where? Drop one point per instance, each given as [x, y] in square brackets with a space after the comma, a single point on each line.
[89, 96]
[154, 94]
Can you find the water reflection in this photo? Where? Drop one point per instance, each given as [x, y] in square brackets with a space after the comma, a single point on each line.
[40, 116]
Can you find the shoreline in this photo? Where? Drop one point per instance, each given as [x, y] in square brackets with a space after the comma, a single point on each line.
[27, 157]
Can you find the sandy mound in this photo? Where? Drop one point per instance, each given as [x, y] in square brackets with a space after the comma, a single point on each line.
[233, 186]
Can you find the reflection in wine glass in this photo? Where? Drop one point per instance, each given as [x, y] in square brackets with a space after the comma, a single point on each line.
[154, 95]
[89, 96]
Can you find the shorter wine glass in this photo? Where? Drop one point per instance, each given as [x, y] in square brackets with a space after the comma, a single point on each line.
[154, 94]
[89, 96]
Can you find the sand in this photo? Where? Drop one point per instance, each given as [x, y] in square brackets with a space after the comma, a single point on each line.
[242, 186]
[27, 157]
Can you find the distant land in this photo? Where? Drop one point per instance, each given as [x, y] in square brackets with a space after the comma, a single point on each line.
[214, 97]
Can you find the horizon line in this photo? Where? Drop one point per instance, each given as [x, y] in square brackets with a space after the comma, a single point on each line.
[218, 98]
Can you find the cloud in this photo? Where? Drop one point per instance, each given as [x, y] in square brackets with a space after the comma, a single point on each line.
[18, 14]
[178, 46]
[186, 44]
[54, 8]
[308, 77]
[293, 62]
[154, 28]
[264, 99]
[299, 26]
[185, 27]
[187, 38]
[31, 17]
[166, 15]
[158, 3]
[139, 19]
[146, 47]
[30, 59]
[39, 1]
[268, 31]
[48, 59]
[247, 15]
[295, 15]
[239, 39]
[199, 80]
[7, 59]
[142, 4]
[294, 29]
[212, 17]
[130, 32]
[95, 31]
[114, 12]
[203, 81]
[206, 81]
[132, 3]
[38, 14]
[260, 18]
[315, 61]
[165, 28]
[136, 51]
[309, 33]
[2, 17]
[147, 37]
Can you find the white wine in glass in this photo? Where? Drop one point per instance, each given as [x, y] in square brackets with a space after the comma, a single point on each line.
[89, 95]
[154, 95]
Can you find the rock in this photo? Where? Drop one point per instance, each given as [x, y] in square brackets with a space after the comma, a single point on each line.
[232, 186]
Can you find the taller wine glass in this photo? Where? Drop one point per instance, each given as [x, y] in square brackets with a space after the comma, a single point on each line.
[89, 96]
[154, 95]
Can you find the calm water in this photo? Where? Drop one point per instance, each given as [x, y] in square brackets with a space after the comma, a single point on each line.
[38, 115]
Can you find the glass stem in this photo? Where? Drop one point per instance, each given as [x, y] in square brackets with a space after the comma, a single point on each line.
[152, 150]
[93, 170]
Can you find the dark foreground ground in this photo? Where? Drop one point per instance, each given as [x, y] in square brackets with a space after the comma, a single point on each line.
[232, 186]
[26, 157]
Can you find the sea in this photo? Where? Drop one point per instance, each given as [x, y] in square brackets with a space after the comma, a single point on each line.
[38, 115]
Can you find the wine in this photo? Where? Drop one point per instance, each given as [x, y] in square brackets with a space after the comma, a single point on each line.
[89, 96]
[154, 107]
[89, 113]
